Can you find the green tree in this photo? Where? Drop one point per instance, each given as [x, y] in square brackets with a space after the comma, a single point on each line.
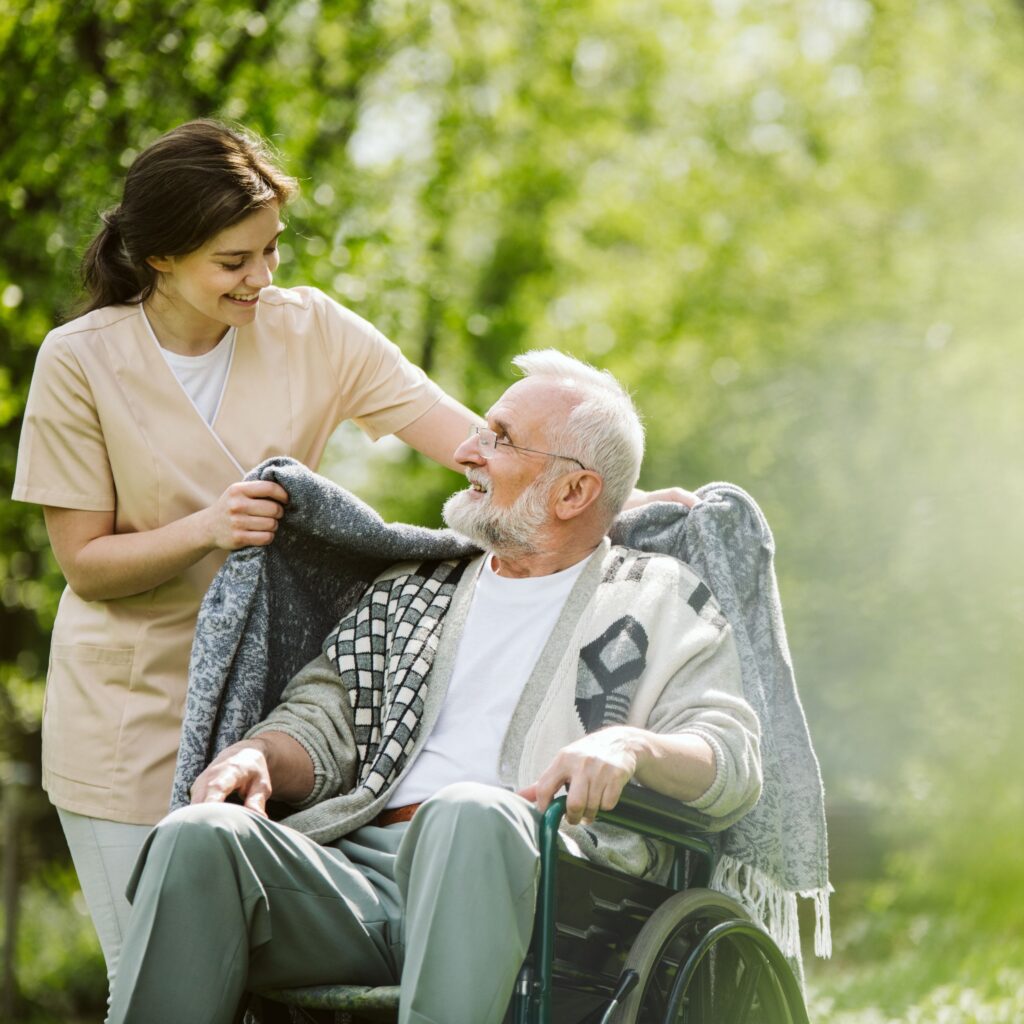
[792, 228]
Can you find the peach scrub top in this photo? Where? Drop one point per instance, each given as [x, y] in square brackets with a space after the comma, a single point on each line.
[108, 428]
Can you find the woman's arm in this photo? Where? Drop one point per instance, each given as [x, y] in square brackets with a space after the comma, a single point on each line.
[440, 430]
[101, 565]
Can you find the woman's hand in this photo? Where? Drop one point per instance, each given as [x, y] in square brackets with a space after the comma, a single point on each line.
[245, 515]
[101, 565]
[676, 494]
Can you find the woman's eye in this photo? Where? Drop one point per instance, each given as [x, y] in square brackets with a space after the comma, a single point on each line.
[232, 266]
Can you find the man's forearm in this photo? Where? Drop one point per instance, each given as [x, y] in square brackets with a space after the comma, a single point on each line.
[271, 764]
[290, 766]
[680, 765]
[597, 766]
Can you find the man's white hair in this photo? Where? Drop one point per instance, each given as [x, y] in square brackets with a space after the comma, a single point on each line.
[603, 430]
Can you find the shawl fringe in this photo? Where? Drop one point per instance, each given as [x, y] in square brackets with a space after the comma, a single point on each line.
[773, 907]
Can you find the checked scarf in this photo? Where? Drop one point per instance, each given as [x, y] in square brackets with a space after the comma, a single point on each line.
[383, 650]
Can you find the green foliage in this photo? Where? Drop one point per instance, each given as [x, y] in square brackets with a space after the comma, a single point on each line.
[62, 976]
[794, 229]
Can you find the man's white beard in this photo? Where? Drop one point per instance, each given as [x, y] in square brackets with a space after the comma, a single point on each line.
[505, 531]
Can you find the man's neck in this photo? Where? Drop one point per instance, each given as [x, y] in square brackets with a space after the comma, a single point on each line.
[540, 563]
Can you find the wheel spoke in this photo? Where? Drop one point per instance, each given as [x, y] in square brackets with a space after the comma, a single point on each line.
[746, 990]
[661, 985]
[702, 1005]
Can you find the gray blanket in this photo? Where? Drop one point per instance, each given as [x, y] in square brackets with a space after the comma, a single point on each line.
[779, 849]
[269, 608]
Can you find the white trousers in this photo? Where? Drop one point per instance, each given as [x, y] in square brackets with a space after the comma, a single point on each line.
[104, 853]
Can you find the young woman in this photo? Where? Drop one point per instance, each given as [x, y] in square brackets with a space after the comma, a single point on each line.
[187, 369]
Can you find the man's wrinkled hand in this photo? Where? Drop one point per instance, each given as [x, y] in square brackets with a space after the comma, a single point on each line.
[240, 769]
[595, 769]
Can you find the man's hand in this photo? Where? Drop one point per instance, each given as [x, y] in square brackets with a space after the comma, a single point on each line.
[676, 494]
[240, 768]
[596, 768]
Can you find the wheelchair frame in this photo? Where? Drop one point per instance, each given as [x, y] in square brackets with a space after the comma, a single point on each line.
[675, 967]
[658, 817]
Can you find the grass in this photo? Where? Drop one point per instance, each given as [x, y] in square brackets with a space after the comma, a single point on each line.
[918, 966]
[938, 940]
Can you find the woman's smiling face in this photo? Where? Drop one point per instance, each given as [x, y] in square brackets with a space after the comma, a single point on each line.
[218, 285]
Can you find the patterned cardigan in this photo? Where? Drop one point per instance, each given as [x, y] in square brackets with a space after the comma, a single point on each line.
[640, 641]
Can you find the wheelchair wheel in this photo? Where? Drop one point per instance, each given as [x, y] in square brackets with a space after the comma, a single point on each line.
[701, 960]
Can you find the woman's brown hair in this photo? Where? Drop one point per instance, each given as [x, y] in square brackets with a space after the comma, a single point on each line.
[186, 187]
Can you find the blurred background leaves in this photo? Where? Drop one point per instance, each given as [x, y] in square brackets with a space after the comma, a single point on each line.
[795, 229]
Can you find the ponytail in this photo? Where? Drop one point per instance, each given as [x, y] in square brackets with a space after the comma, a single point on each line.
[109, 274]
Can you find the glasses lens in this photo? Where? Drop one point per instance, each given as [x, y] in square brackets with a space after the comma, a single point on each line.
[486, 439]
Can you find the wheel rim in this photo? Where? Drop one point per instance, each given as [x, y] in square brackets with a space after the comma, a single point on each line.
[703, 962]
[726, 978]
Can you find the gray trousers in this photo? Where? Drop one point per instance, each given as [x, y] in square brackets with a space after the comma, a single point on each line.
[225, 901]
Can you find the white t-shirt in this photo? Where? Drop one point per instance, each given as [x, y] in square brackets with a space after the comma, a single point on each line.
[509, 622]
[203, 377]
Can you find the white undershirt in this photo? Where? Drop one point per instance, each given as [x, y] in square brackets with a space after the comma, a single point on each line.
[203, 377]
[508, 623]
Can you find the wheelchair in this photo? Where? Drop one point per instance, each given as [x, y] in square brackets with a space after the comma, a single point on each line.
[608, 948]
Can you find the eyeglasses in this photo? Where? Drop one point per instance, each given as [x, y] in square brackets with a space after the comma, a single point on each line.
[489, 442]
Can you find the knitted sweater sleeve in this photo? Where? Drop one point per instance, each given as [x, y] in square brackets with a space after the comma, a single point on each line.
[315, 711]
[704, 697]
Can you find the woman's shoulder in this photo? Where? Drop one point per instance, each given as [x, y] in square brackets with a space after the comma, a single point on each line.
[288, 311]
[96, 320]
[301, 298]
[305, 308]
[84, 335]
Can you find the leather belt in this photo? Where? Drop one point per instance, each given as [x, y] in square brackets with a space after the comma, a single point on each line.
[393, 815]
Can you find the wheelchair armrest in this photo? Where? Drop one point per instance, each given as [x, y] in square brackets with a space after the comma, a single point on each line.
[649, 814]
[644, 810]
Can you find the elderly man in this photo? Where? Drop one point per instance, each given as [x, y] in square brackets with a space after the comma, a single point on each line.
[559, 661]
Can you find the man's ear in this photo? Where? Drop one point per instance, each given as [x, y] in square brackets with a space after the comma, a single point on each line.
[577, 492]
[160, 263]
